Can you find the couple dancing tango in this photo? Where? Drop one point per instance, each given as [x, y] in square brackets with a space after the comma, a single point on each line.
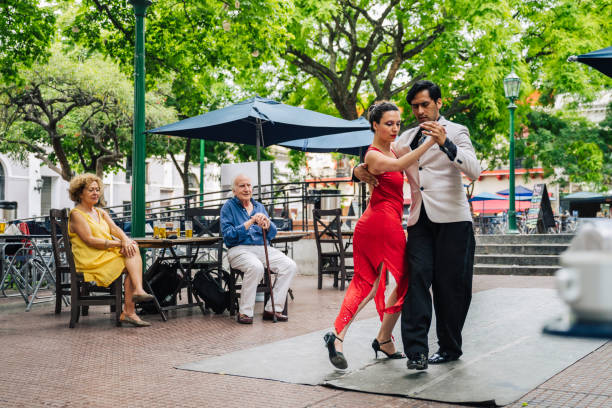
[439, 249]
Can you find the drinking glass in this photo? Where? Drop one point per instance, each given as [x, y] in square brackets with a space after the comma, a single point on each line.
[162, 230]
[189, 229]
[176, 227]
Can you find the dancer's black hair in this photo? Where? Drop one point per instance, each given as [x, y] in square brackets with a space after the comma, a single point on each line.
[378, 109]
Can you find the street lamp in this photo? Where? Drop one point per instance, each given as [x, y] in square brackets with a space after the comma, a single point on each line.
[39, 185]
[139, 138]
[512, 85]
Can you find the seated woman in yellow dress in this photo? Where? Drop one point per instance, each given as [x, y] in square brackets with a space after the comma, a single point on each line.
[102, 251]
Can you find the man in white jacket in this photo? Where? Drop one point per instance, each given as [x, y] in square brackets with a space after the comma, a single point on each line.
[440, 247]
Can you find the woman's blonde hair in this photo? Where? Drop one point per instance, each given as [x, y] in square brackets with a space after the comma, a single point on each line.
[80, 182]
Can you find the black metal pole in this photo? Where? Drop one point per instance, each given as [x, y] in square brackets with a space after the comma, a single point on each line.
[258, 146]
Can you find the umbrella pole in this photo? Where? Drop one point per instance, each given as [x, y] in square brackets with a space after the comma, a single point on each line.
[258, 146]
[362, 194]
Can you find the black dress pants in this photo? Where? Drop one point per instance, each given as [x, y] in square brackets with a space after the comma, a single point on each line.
[440, 256]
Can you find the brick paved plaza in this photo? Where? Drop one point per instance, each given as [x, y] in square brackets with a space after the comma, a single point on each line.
[98, 365]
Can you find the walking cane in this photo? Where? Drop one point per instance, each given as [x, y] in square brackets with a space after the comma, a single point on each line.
[269, 275]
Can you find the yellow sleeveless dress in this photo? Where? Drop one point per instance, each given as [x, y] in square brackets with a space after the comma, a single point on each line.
[102, 266]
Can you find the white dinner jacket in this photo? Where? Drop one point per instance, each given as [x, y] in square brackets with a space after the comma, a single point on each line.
[435, 180]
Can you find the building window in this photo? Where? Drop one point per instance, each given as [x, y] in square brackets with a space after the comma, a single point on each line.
[45, 196]
[127, 208]
[128, 169]
[194, 183]
[2, 177]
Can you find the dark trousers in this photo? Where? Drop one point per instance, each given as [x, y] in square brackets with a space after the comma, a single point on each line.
[440, 256]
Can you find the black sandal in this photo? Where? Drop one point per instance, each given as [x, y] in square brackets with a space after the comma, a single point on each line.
[335, 357]
[376, 346]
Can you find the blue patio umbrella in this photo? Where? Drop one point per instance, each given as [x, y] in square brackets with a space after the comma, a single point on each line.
[601, 60]
[521, 193]
[261, 122]
[353, 143]
[487, 196]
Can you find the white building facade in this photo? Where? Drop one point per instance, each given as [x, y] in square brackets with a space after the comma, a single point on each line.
[36, 188]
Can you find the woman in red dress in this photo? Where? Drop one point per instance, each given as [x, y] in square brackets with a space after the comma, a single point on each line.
[379, 241]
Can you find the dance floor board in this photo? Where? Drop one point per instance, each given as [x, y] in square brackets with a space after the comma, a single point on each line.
[505, 355]
[298, 360]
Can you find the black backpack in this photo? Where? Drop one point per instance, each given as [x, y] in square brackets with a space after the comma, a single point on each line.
[211, 287]
[165, 282]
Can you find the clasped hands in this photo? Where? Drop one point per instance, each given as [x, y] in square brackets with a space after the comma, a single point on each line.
[261, 220]
[431, 128]
[435, 130]
[129, 248]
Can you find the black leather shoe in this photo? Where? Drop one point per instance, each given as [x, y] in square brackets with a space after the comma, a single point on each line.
[244, 319]
[279, 316]
[442, 357]
[417, 361]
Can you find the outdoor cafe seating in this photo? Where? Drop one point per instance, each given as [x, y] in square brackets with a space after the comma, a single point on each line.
[203, 255]
[32, 262]
[206, 222]
[332, 249]
[82, 294]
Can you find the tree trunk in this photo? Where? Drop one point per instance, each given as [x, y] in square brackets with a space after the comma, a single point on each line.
[56, 143]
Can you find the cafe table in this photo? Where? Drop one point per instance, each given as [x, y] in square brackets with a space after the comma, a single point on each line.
[287, 237]
[169, 254]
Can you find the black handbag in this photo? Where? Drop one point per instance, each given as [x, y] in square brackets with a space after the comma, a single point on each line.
[211, 288]
[164, 281]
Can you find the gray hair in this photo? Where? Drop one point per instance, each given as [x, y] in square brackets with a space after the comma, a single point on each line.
[236, 178]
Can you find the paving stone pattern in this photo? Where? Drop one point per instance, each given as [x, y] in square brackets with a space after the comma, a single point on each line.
[44, 363]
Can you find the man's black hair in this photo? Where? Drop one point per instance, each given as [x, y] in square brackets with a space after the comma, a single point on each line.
[433, 89]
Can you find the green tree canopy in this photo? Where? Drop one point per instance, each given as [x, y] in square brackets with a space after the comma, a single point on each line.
[213, 53]
[338, 56]
[207, 50]
[360, 51]
[569, 148]
[74, 113]
[26, 30]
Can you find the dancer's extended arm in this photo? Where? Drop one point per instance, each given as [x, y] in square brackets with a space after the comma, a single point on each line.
[378, 163]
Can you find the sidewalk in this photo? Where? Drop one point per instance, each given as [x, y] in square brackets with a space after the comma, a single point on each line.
[44, 363]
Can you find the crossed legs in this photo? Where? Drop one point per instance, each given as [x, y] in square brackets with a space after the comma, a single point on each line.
[132, 285]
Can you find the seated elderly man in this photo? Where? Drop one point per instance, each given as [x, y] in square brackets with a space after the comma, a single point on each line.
[242, 220]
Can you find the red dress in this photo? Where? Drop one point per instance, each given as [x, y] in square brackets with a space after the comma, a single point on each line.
[379, 239]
